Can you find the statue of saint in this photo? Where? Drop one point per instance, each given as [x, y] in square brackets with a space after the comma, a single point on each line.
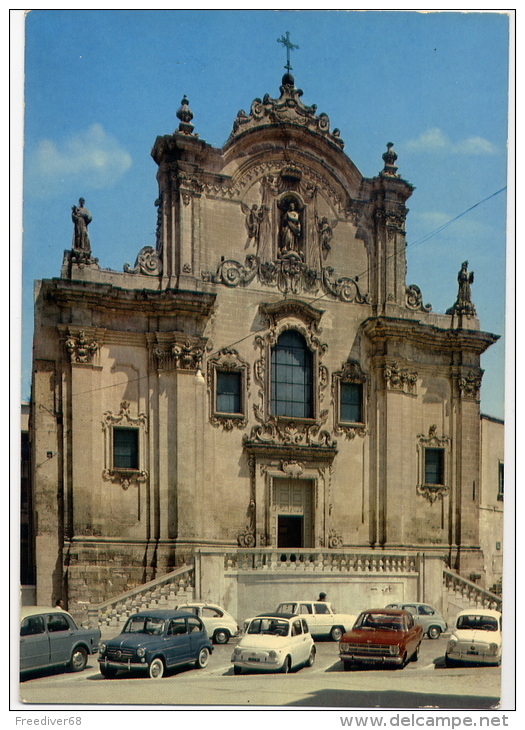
[254, 218]
[465, 279]
[290, 229]
[81, 217]
[325, 232]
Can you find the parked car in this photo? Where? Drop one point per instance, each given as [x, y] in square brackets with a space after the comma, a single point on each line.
[321, 618]
[219, 624]
[432, 622]
[384, 636]
[153, 641]
[274, 642]
[475, 638]
[50, 637]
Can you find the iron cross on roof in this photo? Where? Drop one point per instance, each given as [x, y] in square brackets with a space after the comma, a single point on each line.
[289, 47]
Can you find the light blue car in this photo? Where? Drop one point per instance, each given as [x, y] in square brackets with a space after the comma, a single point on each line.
[49, 637]
[433, 623]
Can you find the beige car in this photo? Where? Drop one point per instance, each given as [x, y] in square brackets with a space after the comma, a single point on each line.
[219, 624]
[321, 618]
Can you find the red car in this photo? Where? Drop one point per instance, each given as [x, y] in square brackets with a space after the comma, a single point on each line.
[381, 636]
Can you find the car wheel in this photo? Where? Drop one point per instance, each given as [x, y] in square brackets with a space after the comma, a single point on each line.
[336, 633]
[415, 655]
[108, 672]
[221, 636]
[311, 658]
[434, 632]
[287, 665]
[449, 662]
[202, 659]
[156, 668]
[236, 669]
[78, 659]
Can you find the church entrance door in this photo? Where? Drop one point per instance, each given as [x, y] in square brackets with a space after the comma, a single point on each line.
[292, 519]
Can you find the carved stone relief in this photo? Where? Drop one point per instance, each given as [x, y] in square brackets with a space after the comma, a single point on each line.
[469, 384]
[397, 378]
[80, 349]
[148, 263]
[169, 351]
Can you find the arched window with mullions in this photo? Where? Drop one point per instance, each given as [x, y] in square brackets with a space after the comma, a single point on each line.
[292, 383]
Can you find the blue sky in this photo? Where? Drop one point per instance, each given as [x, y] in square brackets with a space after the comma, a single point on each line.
[100, 85]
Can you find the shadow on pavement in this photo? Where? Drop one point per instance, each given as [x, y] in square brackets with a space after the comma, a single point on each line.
[394, 699]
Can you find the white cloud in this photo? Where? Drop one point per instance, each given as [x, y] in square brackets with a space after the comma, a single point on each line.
[92, 157]
[435, 140]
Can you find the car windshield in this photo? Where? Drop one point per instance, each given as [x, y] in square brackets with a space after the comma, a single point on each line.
[380, 622]
[144, 625]
[472, 621]
[269, 626]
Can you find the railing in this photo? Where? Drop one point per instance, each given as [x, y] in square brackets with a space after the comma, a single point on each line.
[163, 592]
[328, 561]
[470, 592]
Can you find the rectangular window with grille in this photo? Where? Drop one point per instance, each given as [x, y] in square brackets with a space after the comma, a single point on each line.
[125, 448]
[351, 402]
[228, 392]
[500, 481]
[434, 466]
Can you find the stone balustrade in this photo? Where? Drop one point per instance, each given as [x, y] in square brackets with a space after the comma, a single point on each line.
[304, 560]
[470, 593]
[167, 591]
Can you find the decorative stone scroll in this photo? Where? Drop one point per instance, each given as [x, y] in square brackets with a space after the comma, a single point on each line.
[148, 262]
[397, 378]
[414, 299]
[288, 433]
[289, 274]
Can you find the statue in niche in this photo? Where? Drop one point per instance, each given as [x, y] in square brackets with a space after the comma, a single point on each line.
[290, 230]
[325, 233]
[254, 218]
[81, 217]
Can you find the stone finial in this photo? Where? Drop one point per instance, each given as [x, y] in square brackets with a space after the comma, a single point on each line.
[185, 115]
[390, 157]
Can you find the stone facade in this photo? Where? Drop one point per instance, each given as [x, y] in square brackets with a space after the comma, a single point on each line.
[277, 232]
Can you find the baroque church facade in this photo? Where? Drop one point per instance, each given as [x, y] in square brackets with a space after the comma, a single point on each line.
[262, 377]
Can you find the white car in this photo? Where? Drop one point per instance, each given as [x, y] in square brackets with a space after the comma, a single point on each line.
[219, 624]
[321, 617]
[475, 639]
[274, 642]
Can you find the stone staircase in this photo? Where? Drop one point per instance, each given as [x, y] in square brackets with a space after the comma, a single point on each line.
[460, 593]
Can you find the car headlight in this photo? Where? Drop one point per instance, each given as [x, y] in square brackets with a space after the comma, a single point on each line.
[452, 643]
[273, 654]
[343, 647]
[237, 652]
[141, 652]
[101, 648]
[394, 649]
[494, 648]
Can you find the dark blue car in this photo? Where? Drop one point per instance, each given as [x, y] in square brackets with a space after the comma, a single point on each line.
[153, 641]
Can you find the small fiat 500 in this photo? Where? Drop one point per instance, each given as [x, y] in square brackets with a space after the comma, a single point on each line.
[475, 638]
[220, 625]
[274, 642]
[153, 641]
[50, 637]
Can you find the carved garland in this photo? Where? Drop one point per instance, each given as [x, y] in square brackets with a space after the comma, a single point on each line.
[469, 384]
[401, 379]
[80, 349]
[124, 477]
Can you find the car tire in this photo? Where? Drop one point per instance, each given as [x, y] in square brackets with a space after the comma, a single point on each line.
[237, 670]
[415, 655]
[336, 633]
[221, 636]
[156, 668]
[108, 672]
[287, 665]
[78, 659]
[311, 658]
[434, 632]
[202, 659]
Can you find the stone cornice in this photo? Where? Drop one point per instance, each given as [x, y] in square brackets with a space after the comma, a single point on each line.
[379, 329]
[103, 296]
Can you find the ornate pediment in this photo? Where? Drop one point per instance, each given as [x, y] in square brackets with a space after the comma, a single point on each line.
[287, 109]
